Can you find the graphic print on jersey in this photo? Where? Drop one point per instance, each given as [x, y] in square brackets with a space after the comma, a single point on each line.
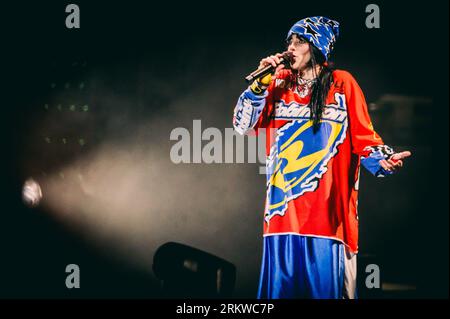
[299, 157]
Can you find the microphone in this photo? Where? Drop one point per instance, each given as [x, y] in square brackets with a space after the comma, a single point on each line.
[285, 59]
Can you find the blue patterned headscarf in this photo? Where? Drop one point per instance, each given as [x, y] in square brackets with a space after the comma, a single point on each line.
[320, 31]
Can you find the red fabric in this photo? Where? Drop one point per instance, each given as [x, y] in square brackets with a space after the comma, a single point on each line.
[330, 210]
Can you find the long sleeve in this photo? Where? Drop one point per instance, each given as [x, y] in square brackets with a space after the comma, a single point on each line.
[365, 141]
[251, 111]
[248, 110]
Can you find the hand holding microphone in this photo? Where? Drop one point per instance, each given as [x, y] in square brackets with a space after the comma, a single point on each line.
[270, 65]
[262, 77]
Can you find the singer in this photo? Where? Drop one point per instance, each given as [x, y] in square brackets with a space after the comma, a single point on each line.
[318, 134]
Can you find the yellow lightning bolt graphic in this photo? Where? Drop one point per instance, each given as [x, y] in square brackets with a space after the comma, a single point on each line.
[290, 151]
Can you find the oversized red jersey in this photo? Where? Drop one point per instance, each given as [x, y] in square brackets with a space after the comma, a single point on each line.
[312, 176]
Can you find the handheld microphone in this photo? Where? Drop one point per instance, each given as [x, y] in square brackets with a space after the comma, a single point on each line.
[285, 59]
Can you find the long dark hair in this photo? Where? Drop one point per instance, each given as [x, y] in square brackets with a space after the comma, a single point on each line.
[321, 86]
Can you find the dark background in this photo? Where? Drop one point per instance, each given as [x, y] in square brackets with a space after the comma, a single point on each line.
[151, 56]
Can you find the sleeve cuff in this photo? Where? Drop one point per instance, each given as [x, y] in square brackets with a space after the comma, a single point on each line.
[371, 161]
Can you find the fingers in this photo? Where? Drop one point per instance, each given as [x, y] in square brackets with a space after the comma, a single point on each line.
[401, 155]
[396, 164]
[270, 60]
[273, 60]
[386, 165]
[280, 67]
[391, 165]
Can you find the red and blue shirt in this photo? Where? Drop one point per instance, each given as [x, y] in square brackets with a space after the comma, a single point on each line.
[312, 176]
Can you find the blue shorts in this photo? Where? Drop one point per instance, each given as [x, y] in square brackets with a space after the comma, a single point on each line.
[295, 266]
